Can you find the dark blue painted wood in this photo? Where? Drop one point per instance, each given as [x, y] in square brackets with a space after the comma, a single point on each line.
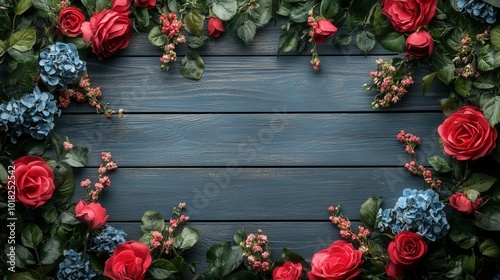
[279, 139]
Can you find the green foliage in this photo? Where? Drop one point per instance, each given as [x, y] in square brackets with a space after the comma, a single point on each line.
[222, 259]
[490, 104]
[224, 9]
[187, 238]
[192, 66]
[152, 221]
[194, 22]
[368, 212]
[366, 41]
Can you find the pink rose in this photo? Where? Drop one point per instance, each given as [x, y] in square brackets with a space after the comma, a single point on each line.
[322, 29]
[419, 44]
[70, 21]
[130, 260]
[466, 134]
[407, 248]
[289, 271]
[215, 27]
[462, 204]
[338, 262]
[408, 15]
[121, 6]
[149, 4]
[92, 214]
[108, 31]
[34, 181]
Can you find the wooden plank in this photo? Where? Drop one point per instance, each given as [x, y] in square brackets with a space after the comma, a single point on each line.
[280, 139]
[265, 43]
[248, 194]
[249, 84]
[305, 238]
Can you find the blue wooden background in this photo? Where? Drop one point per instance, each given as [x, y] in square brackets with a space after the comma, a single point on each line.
[260, 141]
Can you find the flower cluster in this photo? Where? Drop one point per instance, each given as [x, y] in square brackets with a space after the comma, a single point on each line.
[105, 241]
[75, 266]
[33, 114]
[171, 27]
[257, 251]
[103, 180]
[478, 10]
[60, 64]
[464, 60]
[410, 141]
[165, 242]
[344, 225]
[320, 28]
[390, 81]
[417, 211]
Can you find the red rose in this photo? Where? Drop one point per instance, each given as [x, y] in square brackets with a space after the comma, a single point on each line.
[466, 134]
[93, 214]
[215, 27]
[419, 44]
[130, 260]
[289, 271]
[149, 4]
[462, 204]
[338, 262]
[33, 180]
[407, 248]
[408, 15]
[121, 6]
[70, 21]
[109, 32]
[394, 271]
[322, 29]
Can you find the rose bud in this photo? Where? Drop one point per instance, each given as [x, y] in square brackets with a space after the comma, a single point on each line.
[215, 27]
[92, 214]
[419, 44]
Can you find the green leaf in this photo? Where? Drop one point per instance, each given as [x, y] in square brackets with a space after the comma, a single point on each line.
[393, 41]
[141, 17]
[157, 38]
[22, 6]
[378, 242]
[483, 83]
[182, 267]
[23, 76]
[50, 214]
[263, 13]
[22, 256]
[26, 275]
[462, 232]
[45, 7]
[77, 157]
[223, 258]
[31, 236]
[368, 212]
[239, 236]
[103, 4]
[3, 49]
[289, 256]
[495, 3]
[91, 5]
[162, 269]
[224, 9]
[444, 67]
[463, 86]
[65, 182]
[242, 275]
[4, 175]
[342, 39]
[488, 218]
[439, 164]
[195, 42]
[366, 41]
[67, 218]
[287, 42]
[152, 221]
[187, 238]
[438, 28]
[495, 37]
[194, 22]
[469, 264]
[427, 81]
[486, 59]
[381, 23]
[192, 66]
[22, 40]
[480, 182]
[300, 12]
[50, 251]
[246, 31]
[56, 143]
[490, 104]
[329, 8]
[489, 248]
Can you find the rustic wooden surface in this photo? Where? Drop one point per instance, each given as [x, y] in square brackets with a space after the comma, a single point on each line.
[260, 141]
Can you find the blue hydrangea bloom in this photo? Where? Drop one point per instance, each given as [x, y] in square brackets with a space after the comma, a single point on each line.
[75, 266]
[417, 211]
[33, 114]
[107, 240]
[478, 10]
[60, 64]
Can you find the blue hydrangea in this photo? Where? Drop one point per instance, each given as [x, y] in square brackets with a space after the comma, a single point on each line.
[60, 64]
[33, 114]
[478, 10]
[417, 211]
[75, 266]
[107, 240]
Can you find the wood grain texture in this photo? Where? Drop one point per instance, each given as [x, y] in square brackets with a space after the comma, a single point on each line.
[248, 194]
[248, 84]
[281, 139]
